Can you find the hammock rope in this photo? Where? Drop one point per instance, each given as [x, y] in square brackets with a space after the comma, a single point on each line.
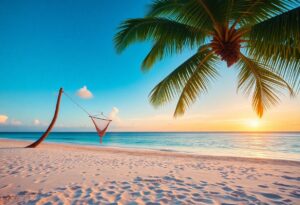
[82, 108]
[101, 131]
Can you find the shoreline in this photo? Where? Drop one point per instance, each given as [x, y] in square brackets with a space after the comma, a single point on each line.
[157, 152]
[80, 174]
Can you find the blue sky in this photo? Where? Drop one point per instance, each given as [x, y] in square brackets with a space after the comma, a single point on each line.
[50, 44]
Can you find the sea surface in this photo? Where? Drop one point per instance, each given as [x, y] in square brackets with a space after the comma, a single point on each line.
[278, 145]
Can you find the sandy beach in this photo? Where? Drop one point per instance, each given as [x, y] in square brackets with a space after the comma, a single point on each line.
[69, 174]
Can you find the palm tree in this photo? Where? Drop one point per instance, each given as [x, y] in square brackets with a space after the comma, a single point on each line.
[260, 37]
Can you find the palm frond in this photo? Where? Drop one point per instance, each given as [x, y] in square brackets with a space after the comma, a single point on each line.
[169, 8]
[223, 11]
[172, 85]
[153, 28]
[157, 52]
[164, 47]
[276, 43]
[265, 85]
[197, 84]
[189, 12]
[281, 29]
[250, 12]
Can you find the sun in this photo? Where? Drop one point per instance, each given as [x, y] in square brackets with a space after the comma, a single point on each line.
[254, 123]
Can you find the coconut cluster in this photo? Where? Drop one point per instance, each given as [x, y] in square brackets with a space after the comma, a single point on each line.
[227, 44]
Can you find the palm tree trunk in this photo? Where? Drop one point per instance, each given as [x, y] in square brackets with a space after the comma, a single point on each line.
[43, 137]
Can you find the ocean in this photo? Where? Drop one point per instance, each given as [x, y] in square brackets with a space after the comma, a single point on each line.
[272, 145]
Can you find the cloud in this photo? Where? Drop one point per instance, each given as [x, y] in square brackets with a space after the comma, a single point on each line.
[114, 113]
[16, 122]
[36, 122]
[3, 119]
[114, 116]
[84, 93]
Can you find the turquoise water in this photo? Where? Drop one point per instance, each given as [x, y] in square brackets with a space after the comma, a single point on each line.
[262, 145]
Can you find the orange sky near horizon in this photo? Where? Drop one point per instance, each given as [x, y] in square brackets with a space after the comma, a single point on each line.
[230, 116]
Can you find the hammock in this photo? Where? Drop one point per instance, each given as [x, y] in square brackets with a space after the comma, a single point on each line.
[101, 124]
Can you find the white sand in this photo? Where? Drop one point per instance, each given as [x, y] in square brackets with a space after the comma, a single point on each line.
[65, 174]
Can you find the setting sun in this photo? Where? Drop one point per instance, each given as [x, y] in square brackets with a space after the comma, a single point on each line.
[254, 123]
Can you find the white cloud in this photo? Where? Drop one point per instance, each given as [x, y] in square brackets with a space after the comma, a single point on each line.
[3, 119]
[36, 122]
[114, 113]
[114, 116]
[16, 122]
[84, 93]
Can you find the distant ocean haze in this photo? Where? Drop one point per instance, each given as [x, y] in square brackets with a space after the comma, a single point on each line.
[273, 145]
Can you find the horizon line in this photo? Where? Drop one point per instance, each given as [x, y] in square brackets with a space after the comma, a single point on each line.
[155, 131]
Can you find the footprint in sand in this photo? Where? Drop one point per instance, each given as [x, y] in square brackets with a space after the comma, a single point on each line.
[110, 192]
[284, 185]
[196, 195]
[263, 186]
[227, 189]
[146, 192]
[135, 194]
[126, 187]
[159, 191]
[111, 187]
[78, 193]
[61, 189]
[291, 178]
[295, 194]
[270, 195]
[152, 203]
[205, 201]
[180, 196]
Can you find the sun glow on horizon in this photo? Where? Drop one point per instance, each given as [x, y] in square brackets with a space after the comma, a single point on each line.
[254, 123]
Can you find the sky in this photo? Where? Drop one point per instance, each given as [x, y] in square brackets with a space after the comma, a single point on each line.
[50, 44]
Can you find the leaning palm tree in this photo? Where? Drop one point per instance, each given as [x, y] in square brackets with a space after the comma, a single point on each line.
[261, 38]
